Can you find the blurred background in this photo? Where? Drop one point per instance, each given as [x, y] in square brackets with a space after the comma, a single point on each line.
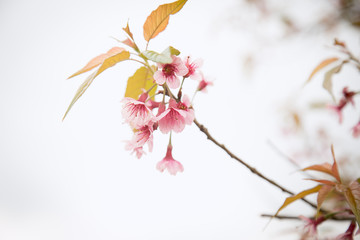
[74, 179]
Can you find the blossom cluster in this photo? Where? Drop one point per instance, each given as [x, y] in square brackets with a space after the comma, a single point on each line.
[145, 115]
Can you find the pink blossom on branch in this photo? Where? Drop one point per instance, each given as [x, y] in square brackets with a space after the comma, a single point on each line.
[176, 116]
[169, 163]
[203, 84]
[192, 67]
[169, 73]
[135, 112]
[338, 108]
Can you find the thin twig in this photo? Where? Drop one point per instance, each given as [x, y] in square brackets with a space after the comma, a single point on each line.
[252, 169]
[297, 218]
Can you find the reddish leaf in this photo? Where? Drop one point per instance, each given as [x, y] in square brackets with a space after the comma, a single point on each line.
[325, 168]
[325, 182]
[334, 168]
[323, 193]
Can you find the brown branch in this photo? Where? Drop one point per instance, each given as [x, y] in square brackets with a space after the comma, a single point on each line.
[297, 218]
[252, 169]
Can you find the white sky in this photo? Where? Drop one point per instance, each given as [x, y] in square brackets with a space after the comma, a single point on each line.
[74, 180]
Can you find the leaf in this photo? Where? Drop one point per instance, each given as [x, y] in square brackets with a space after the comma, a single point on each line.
[325, 182]
[325, 168]
[109, 62]
[96, 61]
[298, 196]
[327, 83]
[164, 57]
[334, 168]
[321, 66]
[352, 194]
[323, 193]
[157, 21]
[127, 30]
[142, 79]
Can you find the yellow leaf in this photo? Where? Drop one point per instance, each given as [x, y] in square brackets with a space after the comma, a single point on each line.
[142, 79]
[96, 61]
[298, 196]
[157, 21]
[321, 66]
[109, 62]
[352, 195]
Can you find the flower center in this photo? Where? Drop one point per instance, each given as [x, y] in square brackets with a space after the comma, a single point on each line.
[169, 70]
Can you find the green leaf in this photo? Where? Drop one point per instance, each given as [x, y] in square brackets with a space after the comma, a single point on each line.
[109, 62]
[164, 57]
[142, 79]
[157, 21]
[298, 196]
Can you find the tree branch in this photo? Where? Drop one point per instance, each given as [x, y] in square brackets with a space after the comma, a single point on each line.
[252, 169]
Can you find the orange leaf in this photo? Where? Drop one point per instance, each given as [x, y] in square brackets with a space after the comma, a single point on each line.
[323, 193]
[334, 168]
[127, 30]
[325, 182]
[108, 62]
[157, 21]
[96, 61]
[321, 66]
[298, 196]
[325, 168]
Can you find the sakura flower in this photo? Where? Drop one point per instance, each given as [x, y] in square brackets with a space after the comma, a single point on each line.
[338, 109]
[169, 163]
[143, 135]
[310, 228]
[135, 112]
[139, 151]
[169, 72]
[356, 130]
[176, 116]
[203, 84]
[192, 67]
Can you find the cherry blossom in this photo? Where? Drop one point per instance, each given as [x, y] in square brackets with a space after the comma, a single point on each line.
[192, 67]
[203, 84]
[169, 73]
[310, 228]
[169, 163]
[348, 235]
[176, 116]
[135, 112]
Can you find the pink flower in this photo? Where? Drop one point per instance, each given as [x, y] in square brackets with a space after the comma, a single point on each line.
[176, 116]
[144, 135]
[356, 130]
[139, 151]
[348, 235]
[339, 108]
[192, 67]
[135, 112]
[310, 228]
[169, 163]
[203, 84]
[169, 72]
